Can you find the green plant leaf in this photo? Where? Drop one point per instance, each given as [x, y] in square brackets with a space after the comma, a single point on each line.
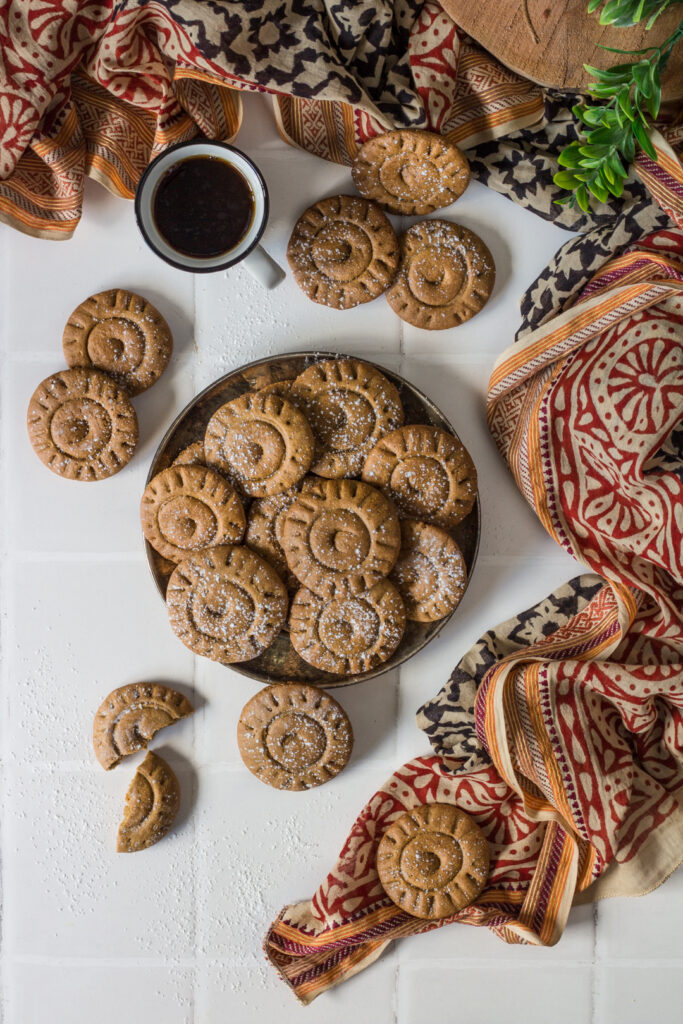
[641, 76]
[655, 98]
[570, 157]
[565, 179]
[615, 163]
[624, 99]
[598, 189]
[643, 140]
[582, 198]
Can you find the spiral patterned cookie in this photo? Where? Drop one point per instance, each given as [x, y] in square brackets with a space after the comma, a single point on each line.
[294, 737]
[82, 425]
[265, 524]
[339, 530]
[130, 716]
[410, 172]
[343, 251]
[187, 508]
[262, 442]
[226, 603]
[121, 333]
[351, 631]
[430, 573]
[152, 802]
[427, 473]
[349, 406]
[192, 455]
[433, 861]
[445, 276]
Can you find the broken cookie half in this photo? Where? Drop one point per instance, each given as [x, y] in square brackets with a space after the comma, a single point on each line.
[152, 803]
[130, 716]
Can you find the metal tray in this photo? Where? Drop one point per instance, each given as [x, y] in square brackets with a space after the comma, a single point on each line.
[281, 663]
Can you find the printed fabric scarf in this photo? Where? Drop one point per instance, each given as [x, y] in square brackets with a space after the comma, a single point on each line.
[561, 731]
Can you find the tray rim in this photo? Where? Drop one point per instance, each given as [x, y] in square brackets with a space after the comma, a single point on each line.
[317, 355]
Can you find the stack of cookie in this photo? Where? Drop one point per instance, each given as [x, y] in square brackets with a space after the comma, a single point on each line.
[345, 534]
[81, 421]
[344, 251]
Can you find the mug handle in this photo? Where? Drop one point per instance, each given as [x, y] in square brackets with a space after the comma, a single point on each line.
[264, 268]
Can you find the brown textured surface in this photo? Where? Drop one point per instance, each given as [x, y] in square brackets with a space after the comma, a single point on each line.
[410, 172]
[121, 333]
[338, 531]
[265, 523]
[353, 630]
[430, 572]
[129, 717]
[295, 737]
[82, 425]
[152, 802]
[550, 43]
[433, 861]
[426, 472]
[192, 455]
[226, 603]
[280, 661]
[261, 441]
[445, 276]
[343, 252]
[187, 508]
[349, 405]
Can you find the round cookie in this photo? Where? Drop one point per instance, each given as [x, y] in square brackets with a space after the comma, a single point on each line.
[293, 736]
[188, 508]
[429, 573]
[262, 442]
[353, 630]
[265, 524]
[343, 251]
[349, 405]
[82, 425]
[192, 455]
[427, 473]
[433, 861]
[121, 333]
[445, 276]
[226, 603]
[340, 530]
[410, 171]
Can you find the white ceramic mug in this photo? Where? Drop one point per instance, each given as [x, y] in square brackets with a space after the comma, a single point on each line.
[256, 260]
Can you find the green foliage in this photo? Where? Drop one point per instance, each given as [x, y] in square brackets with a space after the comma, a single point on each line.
[612, 129]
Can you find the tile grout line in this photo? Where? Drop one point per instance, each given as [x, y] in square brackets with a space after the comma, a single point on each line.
[195, 777]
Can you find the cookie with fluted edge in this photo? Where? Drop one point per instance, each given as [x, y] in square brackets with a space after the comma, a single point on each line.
[343, 251]
[265, 523]
[433, 861]
[430, 572]
[192, 455]
[410, 172]
[226, 603]
[131, 715]
[340, 530]
[122, 334]
[293, 736]
[188, 508]
[353, 630]
[82, 425]
[426, 472]
[152, 803]
[349, 405]
[445, 276]
[261, 441]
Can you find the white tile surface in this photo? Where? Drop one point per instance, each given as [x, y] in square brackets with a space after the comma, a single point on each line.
[174, 934]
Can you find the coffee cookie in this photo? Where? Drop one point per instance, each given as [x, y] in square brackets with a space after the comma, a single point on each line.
[187, 508]
[265, 524]
[410, 171]
[350, 631]
[445, 276]
[295, 737]
[152, 802]
[427, 473]
[433, 861]
[349, 406]
[82, 425]
[343, 251]
[130, 716]
[340, 530]
[192, 455]
[262, 442]
[121, 333]
[226, 603]
[430, 573]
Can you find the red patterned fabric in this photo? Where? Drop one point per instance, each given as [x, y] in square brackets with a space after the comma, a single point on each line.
[570, 757]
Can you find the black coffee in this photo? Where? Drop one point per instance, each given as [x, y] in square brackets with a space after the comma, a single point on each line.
[203, 207]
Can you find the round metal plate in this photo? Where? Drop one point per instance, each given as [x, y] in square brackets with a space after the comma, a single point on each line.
[281, 663]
